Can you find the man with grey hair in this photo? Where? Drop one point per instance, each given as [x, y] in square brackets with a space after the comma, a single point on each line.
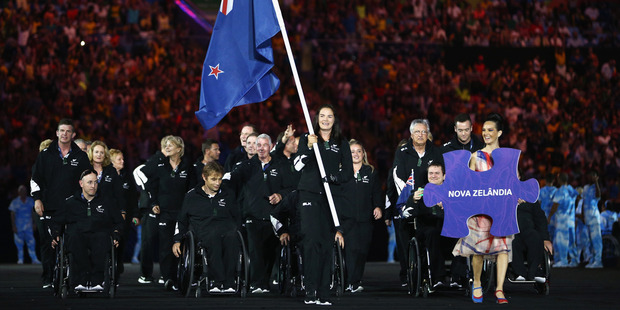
[411, 160]
[262, 182]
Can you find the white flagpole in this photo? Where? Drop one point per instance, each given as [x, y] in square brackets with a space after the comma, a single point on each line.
[302, 99]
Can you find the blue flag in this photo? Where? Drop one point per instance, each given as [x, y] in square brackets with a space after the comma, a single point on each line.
[405, 193]
[237, 69]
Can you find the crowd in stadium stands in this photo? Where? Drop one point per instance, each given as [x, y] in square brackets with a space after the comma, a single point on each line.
[128, 72]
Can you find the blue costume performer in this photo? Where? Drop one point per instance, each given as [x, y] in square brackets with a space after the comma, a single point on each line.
[564, 212]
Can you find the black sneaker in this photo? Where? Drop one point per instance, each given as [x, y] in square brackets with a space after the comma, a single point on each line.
[169, 285]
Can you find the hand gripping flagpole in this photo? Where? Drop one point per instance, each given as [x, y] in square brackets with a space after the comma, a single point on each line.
[302, 99]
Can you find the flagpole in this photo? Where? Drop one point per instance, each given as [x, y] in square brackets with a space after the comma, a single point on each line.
[304, 106]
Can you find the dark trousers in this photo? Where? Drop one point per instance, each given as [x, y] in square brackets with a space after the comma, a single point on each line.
[222, 249]
[357, 239]
[88, 269]
[404, 231]
[167, 260]
[262, 244]
[527, 244]
[147, 247]
[318, 241]
[430, 238]
[48, 254]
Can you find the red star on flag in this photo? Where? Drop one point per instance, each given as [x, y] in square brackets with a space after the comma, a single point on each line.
[215, 71]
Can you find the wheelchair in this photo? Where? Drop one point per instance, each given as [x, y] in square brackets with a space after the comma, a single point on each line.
[290, 265]
[338, 281]
[487, 278]
[541, 288]
[62, 272]
[193, 268]
[419, 278]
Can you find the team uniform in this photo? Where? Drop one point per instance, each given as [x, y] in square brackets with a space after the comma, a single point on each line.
[363, 194]
[428, 223]
[255, 181]
[214, 219]
[149, 221]
[564, 238]
[23, 223]
[234, 158]
[530, 239]
[317, 226]
[167, 188]
[406, 161]
[89, 227]
[54, 178]
[473, 145]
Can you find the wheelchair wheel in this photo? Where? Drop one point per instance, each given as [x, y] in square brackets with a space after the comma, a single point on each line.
[243, 268]
[58, 269]
[543, 288]
[61, 274]
[185, 270]
[110, 271]
[338, 270]
[488, 275]
[284, 270]
[414, 277]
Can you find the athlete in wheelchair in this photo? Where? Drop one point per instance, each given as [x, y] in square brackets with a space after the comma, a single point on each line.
[426, 270]
[532, 242]
[285, 224]
[208, 241]
[285, 221]
[92, 229]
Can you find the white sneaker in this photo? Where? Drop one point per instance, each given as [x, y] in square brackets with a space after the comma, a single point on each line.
[257, 290]
[358, 289]
[229, 290]
[97, 287]
[80, 288]
[323, 302]
[520, 278]
[215, 290]
[540, 279]
[20, 262]
[161, 280]
[145, 280]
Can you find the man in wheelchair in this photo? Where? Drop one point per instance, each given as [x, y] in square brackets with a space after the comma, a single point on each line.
[90, 219]
[214, 217]
[428, 224]
[531, 242]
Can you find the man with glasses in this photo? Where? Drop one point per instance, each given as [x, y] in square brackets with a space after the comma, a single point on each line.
[411, 160]
[55, 177]
[463, 140]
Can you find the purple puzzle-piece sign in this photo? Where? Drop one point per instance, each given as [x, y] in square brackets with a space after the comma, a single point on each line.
[495, 193]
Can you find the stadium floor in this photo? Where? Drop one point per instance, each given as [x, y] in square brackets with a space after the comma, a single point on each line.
[577, 288]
